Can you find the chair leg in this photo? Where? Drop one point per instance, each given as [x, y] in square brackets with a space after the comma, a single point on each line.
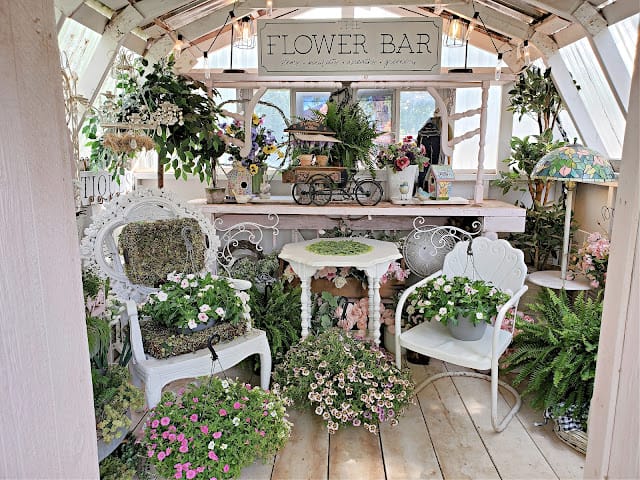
[265, 366]
[498, 427]
[153, 392]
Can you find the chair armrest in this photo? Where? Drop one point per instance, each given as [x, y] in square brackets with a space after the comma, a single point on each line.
[405, 295]
[135, 335]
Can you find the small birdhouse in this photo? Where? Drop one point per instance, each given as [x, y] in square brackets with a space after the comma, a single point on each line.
[439, 178]
[238, 181]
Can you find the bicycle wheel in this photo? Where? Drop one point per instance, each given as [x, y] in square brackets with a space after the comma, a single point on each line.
[321, 189]
[368, 192]
[301, 193]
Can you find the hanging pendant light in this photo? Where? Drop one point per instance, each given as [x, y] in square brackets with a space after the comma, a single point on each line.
[499, 66]
[456, 33]
[526, 54]
[207, 65]
[178, 46]
[245, 33]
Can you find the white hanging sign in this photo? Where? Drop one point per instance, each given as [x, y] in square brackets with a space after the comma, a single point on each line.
[98, 187]
[347, 47]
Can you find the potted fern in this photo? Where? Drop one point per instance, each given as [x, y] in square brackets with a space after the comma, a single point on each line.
[557, 354]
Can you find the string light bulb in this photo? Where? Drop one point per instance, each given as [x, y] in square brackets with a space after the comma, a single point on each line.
[207, 66]
[472, 25]
[526, 53]
[499, 66]
[178, 46]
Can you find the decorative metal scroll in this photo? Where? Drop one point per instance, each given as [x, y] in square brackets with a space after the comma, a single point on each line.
[426, 245]
[236, 236]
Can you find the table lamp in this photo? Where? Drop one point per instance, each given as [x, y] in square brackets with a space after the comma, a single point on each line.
[570, 164]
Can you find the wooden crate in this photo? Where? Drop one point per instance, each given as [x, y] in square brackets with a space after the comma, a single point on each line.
[303, 174]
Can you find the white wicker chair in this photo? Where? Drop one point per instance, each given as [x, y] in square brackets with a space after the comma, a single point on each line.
[99, 249]
[494, 261]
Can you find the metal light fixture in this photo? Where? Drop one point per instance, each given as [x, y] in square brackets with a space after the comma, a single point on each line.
[499, 66]
[244, 33]
[472, 25]
[207, 65]
[178, 46]
[456, 33]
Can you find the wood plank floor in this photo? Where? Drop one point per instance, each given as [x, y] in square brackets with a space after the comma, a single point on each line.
[447, 434]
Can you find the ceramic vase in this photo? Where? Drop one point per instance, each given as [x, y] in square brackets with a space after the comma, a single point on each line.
[467, 331]
[396, 179]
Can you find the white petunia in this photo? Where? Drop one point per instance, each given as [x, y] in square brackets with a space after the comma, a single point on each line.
[204, 308]
[187, 297]
[203, 317]
[447, 288]
[442, 311]
[479, 315]
[211, 445]
[192, 324]
[191, 276]
[440, 281]
[184, 283]
[223, 446]
[162, 296]
[220, 311]
[235, 421]
[449, 302]
[225, 384]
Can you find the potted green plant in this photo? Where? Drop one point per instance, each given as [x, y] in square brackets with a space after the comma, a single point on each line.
[465, 306]
[557, 354]
[190, 303]
[346, 380]
[213, 429]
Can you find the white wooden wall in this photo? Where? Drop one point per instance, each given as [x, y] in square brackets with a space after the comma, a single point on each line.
[46, 408]
[614, 418]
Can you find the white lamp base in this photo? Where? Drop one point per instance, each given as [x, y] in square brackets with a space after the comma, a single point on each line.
[552, 279]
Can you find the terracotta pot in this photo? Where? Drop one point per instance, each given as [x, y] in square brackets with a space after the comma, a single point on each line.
[322, 160]
[215, 194]
[305, 160]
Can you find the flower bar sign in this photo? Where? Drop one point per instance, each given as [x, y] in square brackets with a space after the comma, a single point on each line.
[346, 47]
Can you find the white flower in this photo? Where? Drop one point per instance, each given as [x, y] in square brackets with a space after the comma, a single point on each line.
[411, 309]
[479, 315]
[204, 308]
[194, 284]
[211, 445]
[442, 311]
[492, 292]
[440, 281]
[203, 317]
[200, 295]
[223, 446]
[191, 276]
[244, 296]
[162, 296]
[450, 303]
[339, 281]
[447, 288]
[184, 283]
[220, 311]
[225, 384]
[192, 324]
[187, 297]
[427, 303]
[437, 318]
[235, 421]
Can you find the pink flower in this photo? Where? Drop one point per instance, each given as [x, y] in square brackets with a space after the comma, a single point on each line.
[194, 417]
[167, 452]
[161, 455]
[402, 162]
[222, 412]
[165, 435]
[237, 405]
[225, 469]
[183, 448]
[217, 435]
[326, 272]
[164, 421]
[180, 437]
[178, 474]
[155, 423]
[565, 171]
[204, 429]
[172, 437]
[213, 456]
[191, 474]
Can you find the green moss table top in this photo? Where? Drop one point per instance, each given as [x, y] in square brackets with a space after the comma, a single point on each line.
[338, 247]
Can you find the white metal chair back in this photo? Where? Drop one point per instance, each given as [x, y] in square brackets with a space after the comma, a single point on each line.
[494, 261]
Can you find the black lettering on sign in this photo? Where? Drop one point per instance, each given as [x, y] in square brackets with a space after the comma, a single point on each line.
[387, 40]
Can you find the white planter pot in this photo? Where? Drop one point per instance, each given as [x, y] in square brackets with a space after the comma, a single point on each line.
[395, 179]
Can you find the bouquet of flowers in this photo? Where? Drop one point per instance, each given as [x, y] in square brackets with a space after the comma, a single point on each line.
[347, 380]
[214, 430]
[445, 299]
[339, 275]
[188, 300]
[400, 155]
[592, 260]
[263, 144]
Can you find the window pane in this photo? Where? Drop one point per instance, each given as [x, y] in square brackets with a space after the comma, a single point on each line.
[415, 109]
[625, 34]
[596, 95]
[307, 102]
[78, 44]
[378, 105]
[273, 119]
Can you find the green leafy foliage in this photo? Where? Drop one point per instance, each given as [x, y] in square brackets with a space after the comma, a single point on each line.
[355, 130]
[557, 355]
[277, 312]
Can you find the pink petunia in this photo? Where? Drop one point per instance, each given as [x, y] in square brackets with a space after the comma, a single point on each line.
[191, 474]
[161, 456]
[164, 421]
[183, 448]
[194, 417]
[172, 437]
[180, 437]
[204, 429]
[237, 405]
[213, 456]
[225, 469]
[217, 435]
[178, 475]
[222, 412]
[155, 423]
[195, 399]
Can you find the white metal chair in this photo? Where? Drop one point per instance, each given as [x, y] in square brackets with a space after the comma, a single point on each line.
[99, 250]
[494, 261]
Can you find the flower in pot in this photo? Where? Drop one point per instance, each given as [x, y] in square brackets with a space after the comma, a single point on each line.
[345, 380]
[403, 161]
[190, 302]
[321, 151]
[214, 429]
[592, 259]
[466, 306]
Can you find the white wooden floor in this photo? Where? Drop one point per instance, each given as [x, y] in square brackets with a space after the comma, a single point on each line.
[447, 434]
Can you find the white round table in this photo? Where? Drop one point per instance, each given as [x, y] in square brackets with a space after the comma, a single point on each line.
[551, 279]
[374, 263]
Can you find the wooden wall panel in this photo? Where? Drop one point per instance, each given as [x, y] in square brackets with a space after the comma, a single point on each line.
[46, 408]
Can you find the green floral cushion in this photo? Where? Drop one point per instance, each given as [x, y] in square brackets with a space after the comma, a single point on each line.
[151, 250]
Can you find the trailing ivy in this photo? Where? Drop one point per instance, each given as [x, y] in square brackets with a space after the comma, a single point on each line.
[557, 355]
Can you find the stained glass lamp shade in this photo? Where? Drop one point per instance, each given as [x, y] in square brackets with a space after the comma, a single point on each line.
[572, 164]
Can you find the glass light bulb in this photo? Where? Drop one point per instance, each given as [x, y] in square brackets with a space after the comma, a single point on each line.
[526, 53]
[499, 67]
